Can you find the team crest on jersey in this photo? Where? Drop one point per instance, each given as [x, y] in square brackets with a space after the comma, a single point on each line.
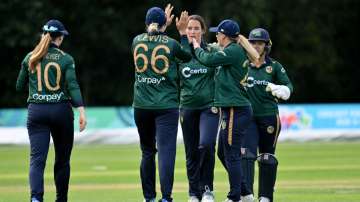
[269, 69]
[270, 129]
[214, 110]
[223, 124]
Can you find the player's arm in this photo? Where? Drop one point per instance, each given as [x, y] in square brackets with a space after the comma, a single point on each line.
[213, 47]
[185, 43]
[250, 50]
[181, 24]
[282, 78]
[23, 76]
[72, 85]
[75, 93]
[181, 53]
[212, 59]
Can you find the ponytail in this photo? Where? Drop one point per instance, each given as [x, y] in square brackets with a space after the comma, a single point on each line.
[153, 28]
[39, 51]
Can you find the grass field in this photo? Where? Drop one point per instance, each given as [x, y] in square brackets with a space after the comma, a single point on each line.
[308, 172]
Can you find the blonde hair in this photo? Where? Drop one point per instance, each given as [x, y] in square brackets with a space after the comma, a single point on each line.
[39, 51]
[153, 28]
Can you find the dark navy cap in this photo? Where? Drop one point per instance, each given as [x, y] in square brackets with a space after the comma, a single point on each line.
[228, 27]
[55, 26]
[155, 15]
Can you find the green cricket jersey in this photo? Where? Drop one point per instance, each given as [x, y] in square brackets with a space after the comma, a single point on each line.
[156, 71]
[197, 82]
[230, 74]
[263, 102]
[53, 81]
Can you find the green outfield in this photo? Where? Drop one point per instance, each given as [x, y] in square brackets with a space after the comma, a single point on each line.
[308, 172]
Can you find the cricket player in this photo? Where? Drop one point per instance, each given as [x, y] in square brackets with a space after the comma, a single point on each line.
[230, 94]
[198, 116]
[53, 90]
[156, 102]
[267, 84]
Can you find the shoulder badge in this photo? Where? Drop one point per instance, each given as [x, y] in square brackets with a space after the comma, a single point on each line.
[268, 69]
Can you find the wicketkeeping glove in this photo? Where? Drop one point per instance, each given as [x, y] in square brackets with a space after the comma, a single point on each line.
[279, 91]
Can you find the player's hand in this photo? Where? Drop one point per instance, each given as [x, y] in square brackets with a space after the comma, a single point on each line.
[82, 118]
[272, 87]
[279, 91]
[283, 93]
[195, 43]
[250, 50]
[169, 16]
[181, 23]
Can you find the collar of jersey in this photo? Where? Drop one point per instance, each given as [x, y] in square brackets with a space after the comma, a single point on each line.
[52, 45]
[156, 33]
[231, 43]
[266, 63]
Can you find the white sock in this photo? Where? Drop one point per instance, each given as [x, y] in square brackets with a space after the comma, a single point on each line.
[248, 198]
[264, 199]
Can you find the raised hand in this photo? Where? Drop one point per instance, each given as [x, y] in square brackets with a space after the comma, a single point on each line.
[181, 23]
[169, 16]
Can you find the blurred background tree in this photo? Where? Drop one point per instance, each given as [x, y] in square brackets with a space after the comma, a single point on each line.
[316, 41]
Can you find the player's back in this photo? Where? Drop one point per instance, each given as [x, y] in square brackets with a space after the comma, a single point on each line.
[155, 59]
[47, 83]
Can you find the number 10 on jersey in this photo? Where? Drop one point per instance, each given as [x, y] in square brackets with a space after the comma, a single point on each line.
[46, 76]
